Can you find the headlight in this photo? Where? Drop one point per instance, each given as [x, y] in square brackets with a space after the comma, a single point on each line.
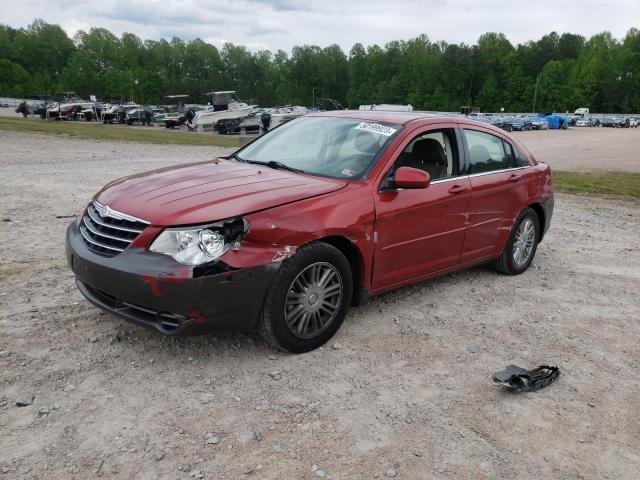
[198, 245]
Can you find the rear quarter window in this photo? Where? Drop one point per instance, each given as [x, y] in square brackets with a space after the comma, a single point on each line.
[515, 157]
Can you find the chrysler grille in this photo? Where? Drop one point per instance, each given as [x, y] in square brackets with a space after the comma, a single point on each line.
[107, 231]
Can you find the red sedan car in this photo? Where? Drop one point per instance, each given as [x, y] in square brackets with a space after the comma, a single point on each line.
[308, 220]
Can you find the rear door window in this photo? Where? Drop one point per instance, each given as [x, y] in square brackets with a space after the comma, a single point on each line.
[487, 152]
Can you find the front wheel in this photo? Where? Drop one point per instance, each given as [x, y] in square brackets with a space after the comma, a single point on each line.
[521, 246]
[308, 299]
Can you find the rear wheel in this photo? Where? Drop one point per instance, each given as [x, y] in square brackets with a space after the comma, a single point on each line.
[308, 299]
[521, 246]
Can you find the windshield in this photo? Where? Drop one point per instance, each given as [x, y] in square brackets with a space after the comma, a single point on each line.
[325, 146]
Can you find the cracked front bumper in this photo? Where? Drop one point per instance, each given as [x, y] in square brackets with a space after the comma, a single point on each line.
[155, 291]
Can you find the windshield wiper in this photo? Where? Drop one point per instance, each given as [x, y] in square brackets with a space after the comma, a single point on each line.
[280, 165]
[271, 164]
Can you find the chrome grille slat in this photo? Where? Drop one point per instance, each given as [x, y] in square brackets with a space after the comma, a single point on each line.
[97, 244]
[100, 234]
[110, 233]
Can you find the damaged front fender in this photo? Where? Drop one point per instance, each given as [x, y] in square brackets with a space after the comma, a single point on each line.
[277, 233]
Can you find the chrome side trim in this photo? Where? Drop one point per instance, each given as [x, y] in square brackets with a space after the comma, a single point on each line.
[450, 179]
[98, 244]
[499, 171]
[453, 179]
[107, 225]
[116, 214]
[100, 234]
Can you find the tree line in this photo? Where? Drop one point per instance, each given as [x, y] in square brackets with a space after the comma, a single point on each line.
[562, 72]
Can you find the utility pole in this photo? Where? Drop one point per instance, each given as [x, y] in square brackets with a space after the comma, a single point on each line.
[313, 97]
[535, 94]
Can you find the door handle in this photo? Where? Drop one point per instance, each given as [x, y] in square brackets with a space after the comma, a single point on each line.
[458, 189]
[514, 177]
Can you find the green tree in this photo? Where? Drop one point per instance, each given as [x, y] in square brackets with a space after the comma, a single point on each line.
[601, 72]
[13, 79]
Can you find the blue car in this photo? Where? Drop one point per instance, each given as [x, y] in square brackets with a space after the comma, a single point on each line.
[521, 124]
[539, 123]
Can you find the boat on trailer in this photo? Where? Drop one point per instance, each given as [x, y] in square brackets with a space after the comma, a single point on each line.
[68, 105]
[224, 115]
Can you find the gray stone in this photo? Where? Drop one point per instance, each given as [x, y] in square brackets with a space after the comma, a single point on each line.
[472, 348]
[391, 473]
[25, 400]
[319, 472]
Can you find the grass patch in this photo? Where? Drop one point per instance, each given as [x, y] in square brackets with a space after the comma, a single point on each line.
[605, 183]
[98, 131]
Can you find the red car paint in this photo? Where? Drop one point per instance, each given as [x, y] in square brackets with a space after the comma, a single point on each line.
[400, 236]
[199, 192]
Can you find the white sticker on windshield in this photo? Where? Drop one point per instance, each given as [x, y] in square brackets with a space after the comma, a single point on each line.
[376, 128]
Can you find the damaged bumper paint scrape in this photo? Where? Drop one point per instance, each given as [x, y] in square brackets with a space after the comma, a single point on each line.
[154, 290]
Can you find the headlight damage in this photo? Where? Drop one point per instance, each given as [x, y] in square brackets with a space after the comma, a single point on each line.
[197, 245]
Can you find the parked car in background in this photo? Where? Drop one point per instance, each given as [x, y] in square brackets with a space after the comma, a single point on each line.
[521, 123]
[588, 122]
[608, 122]
[634, 122]
[539, 123]
[620, 121]
[479, 117]
[501, 122]
[365, 202]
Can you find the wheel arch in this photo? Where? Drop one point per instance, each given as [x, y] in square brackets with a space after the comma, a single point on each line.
[536, 207]
[356, 262]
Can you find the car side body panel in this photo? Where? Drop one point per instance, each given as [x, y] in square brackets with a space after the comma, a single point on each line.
[418, 231]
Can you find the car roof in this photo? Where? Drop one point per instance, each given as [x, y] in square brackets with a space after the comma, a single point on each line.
[397, 118]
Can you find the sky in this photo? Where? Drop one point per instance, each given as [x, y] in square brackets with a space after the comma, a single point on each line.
[282, 24]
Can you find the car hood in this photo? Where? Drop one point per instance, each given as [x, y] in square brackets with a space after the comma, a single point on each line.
[209, 191]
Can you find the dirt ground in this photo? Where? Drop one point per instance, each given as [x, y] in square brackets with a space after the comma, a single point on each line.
[586, 149]
[397, 393]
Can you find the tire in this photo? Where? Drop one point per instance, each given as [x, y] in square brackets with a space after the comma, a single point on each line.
[285, 300]
[507, 263]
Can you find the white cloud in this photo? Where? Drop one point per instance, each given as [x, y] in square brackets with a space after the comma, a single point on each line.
[282, 24]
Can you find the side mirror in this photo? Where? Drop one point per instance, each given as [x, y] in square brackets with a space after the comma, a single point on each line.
[407, 177]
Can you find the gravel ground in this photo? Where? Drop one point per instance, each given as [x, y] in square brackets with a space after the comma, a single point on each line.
[586, 149]
[397, 393]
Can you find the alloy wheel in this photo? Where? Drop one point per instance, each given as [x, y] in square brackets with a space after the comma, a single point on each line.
[524, 242]
[313, 300]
